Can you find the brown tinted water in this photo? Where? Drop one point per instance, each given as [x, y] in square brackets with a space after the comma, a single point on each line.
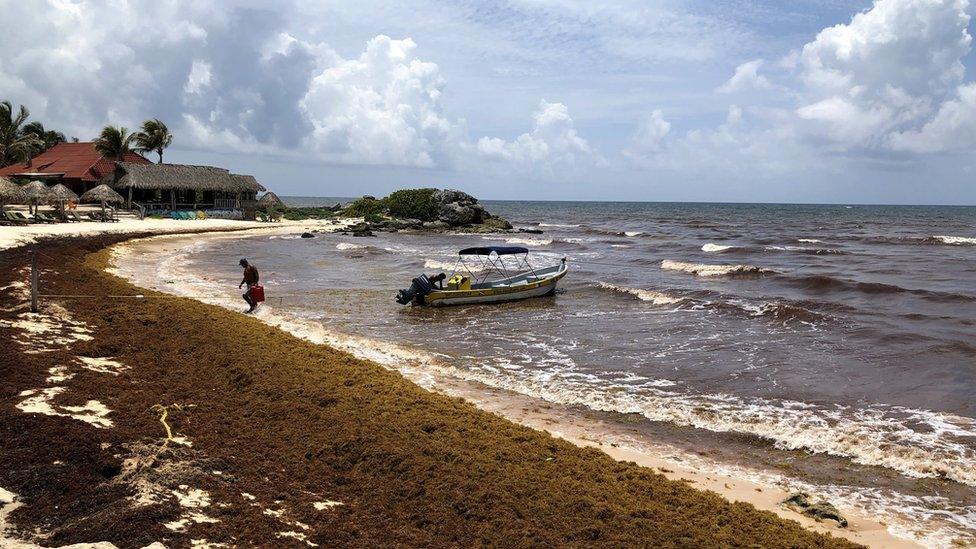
[829, 347]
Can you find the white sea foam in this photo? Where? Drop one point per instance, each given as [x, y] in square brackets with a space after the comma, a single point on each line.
[633, 233]
[449, 266]
[349, 246]
[809, 240]
[529, 241]
[657, 298]
[715, 248]
[557, 225]
[957, 240]
[701, 269]
[917, 443]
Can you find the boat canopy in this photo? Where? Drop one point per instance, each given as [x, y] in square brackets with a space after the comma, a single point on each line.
[498, 250]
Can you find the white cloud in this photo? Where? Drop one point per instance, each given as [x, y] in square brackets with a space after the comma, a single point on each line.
[746, 78]
[650, 135]
[885, 72]
[551, 146]
[382, 108]
[198, 79]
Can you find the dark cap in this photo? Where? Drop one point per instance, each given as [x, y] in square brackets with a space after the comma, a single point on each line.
[242, 262]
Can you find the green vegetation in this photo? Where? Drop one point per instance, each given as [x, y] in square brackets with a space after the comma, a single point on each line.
[373, 218]
[19, 140]
[115, 142]
[365, 206]
[403, 204]
[413, 204]
[153, 137]
[299, 214]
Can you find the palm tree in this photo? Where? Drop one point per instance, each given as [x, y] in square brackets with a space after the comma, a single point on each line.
[47, 138]
[15, 144]
[154, 137]
[115, 142]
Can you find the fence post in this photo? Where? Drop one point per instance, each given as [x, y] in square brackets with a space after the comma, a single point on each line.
[34, 279]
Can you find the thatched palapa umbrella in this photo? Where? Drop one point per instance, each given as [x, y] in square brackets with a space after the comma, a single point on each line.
[104, 194]
[270, 200]
[37, 192]
[11, 193]
[59, 195]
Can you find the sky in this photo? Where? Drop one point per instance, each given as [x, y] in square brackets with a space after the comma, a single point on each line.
[830, 101]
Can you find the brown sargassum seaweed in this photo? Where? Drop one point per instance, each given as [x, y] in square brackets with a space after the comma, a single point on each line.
[291, 423]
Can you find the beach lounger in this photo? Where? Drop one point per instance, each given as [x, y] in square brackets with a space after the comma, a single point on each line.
[94, 216]
[72, 217]
[201, 214]
[44, 218]
[22, 217]
[187, 215]
[12, 218]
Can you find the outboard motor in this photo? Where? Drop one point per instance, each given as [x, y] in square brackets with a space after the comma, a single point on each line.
[419, 287]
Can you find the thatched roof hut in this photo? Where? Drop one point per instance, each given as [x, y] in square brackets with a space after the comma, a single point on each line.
[37, 190]
[11, 193]
[104, 194]
[60, 194]
[270, 200]
[180, 176]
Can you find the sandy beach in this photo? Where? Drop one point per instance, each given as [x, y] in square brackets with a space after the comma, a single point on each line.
[79, 391]
[87, 376]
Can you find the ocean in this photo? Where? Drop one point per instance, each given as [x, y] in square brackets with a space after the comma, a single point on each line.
[824, 348]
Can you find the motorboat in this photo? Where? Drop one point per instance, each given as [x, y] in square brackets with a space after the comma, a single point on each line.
[503, 274]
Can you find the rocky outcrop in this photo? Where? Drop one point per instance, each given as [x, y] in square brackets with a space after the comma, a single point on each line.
[457, 208]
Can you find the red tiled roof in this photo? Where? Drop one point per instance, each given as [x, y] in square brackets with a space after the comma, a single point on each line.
[74, 160]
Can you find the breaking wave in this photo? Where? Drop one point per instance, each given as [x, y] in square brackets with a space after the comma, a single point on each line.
[718, 248]
[529, 241]
[956, 240]
[809, 240]
[448, 265]
[349, 246]
[806, 250]
[657, 298]
[826, 283]
[703, 269]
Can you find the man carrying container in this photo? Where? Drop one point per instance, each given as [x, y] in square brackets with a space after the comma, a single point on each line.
[251, 279]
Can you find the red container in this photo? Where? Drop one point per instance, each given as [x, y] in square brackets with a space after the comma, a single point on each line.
[257, 293]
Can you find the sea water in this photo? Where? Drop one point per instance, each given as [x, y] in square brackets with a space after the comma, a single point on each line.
[832, 347]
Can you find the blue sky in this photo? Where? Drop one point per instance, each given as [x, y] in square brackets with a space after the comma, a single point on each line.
[831, 101]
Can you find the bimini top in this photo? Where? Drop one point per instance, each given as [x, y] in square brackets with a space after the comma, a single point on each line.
[499, 250]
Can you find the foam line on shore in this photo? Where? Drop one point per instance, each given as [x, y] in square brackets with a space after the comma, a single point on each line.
[790, 425]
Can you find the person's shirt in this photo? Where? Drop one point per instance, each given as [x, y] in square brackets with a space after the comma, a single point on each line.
[251, 274]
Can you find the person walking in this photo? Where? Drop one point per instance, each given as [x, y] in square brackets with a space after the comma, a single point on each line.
[251, 278]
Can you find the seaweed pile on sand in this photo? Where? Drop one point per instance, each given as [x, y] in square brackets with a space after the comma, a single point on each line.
[275, 441]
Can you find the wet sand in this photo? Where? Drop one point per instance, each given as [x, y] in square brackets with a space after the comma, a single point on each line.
[276, 440]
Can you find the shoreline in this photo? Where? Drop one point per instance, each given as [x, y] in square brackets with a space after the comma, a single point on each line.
[558, 420]
[275, 439]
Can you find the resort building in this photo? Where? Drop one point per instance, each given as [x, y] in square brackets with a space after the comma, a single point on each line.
[183, 187]
[77, 166]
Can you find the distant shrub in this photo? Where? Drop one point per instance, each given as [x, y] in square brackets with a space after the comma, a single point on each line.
[413, 204]
[364, 206]
[373, 218]
[299, 214]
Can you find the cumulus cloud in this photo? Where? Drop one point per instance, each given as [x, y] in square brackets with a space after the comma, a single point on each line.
[889, 82]
[888, 71]
[233, 79]
[746, 78]
[552, 145]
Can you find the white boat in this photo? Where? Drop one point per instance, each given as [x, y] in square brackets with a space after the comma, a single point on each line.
[499, 281]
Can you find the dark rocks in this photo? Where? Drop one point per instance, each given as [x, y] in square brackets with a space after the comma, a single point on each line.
[308, 235]
[531, 231]
[822, 510]
[458, 208]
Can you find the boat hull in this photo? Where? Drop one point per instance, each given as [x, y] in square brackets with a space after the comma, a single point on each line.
[545, 285]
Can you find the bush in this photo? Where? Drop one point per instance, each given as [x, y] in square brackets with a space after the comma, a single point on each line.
[373, 218]
[413, 204]
[364, 206]
[298, 214]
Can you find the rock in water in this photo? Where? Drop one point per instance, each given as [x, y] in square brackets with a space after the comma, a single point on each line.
[308, 235]
[458, 208]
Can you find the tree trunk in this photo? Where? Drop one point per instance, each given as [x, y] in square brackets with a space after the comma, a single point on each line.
[128, 203]
[160, 153]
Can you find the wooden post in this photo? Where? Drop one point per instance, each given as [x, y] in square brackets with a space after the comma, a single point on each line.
[34, 279]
